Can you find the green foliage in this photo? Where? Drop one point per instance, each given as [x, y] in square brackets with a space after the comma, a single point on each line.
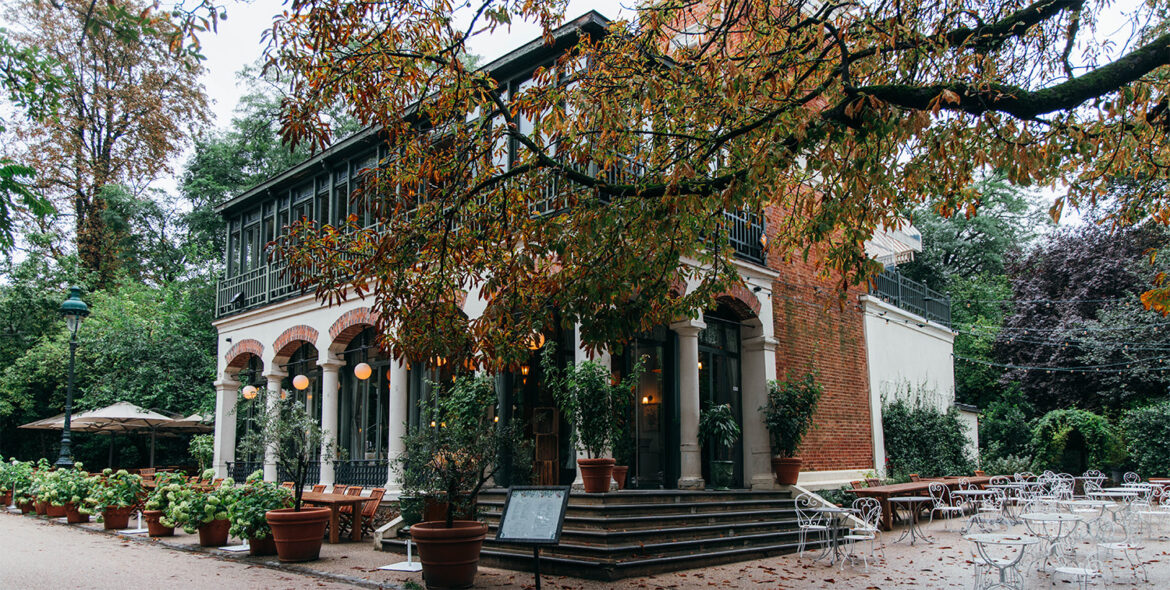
[789, 412]
[1073, 440]
[193, 508]
[252, 501]
[1003, 425]
[202, 449]
[62, 486]
[119, 489]
[924, 440]
[978, 307]
[590, 401]
[1007, 465]
[296, 437]
[16, 476]
[1147, 431]
[462, 451]
[169, 490]
[718, 427]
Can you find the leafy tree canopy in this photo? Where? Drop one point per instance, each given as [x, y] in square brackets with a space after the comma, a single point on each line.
[839, 115]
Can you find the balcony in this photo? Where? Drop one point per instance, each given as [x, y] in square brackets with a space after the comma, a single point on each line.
[893, 288]
[265, 285]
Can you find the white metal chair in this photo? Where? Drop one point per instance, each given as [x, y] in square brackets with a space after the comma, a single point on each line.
[869, 511]
[811, 522]
[940, 498]
[1113, 538]
[1130, 477]
[1082, 573]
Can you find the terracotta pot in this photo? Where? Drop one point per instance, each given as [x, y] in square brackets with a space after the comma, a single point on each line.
[214, 533]
[154, 527]
[786, 470]
[26, 507]
[73, 516]
[435, 508]
[265, 546]
[41, 508]
[619, 475]
[6, 499]
[117, 517]
[596, 474]
[449, 556]
[298, 535]
[55, 511]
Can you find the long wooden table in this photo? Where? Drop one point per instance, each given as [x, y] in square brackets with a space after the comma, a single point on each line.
[334, 502]
[912, 488]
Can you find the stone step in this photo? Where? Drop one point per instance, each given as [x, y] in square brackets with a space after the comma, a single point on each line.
[690, 531]
[590, 511]
[649, 522]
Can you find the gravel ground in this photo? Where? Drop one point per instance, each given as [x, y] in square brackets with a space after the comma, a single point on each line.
[30, 550]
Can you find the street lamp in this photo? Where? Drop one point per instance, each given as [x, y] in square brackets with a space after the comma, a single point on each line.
[74, 310]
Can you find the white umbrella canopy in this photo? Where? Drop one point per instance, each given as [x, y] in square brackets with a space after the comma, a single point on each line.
[58, 423]
[125, 417]
[192, 423]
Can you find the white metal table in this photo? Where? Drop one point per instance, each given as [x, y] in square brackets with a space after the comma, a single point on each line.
[831, 513]
[1014, 546]
[1054, 528]
[911, 503]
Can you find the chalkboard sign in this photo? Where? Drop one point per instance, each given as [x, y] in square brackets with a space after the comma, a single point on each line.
[533, 515]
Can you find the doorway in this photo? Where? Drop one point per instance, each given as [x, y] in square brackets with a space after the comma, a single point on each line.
[719, 383]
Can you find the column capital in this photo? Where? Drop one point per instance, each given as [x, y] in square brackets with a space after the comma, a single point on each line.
[766, 343]
[225, 383]
[688, 327]
[331, 363]
[275, 374]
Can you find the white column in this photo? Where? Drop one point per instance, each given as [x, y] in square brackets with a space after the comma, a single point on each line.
[759, 367]
[225, 423]
[395, 447]
[330, 384]
[691, 465]
[274, 378]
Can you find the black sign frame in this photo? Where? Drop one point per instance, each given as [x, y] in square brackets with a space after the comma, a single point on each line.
[556, 539]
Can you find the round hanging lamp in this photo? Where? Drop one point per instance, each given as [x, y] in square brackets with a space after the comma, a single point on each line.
[301, 382]
[249, 392]
[363, 371]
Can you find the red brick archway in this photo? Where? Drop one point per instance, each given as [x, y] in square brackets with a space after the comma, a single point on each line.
[288, 342]
[237, 356]
[349, 325]
[740, 301]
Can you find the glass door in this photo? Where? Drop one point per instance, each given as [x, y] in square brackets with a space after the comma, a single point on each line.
[719, 383]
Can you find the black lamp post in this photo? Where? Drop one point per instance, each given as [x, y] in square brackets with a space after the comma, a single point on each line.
[74, 310]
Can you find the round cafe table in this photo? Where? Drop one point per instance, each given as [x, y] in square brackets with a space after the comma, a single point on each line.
[911, 504]
[1054, 528]
[1011, 549]
[972, 497]
[834, 550]
[1090, 511]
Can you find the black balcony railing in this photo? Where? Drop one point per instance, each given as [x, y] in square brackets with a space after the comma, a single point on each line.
[287, 473]
[367, 473]
[893, 288]
[240, 470]
[265, 284]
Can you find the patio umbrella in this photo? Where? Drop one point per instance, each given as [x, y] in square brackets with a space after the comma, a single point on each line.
[58, 423]
[192, 423]
[125, 417]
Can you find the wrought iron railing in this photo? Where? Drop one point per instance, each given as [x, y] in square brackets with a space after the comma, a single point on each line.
[287, 473]
[240, 470]
[367, 473]
[893, 288]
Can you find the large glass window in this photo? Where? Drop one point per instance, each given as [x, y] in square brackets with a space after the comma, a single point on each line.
[304, 362]
[364, 413]
[248, 411]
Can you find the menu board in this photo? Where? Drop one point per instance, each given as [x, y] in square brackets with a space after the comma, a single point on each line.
[533, 515]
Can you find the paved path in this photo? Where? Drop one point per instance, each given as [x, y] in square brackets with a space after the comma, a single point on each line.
[37, 554]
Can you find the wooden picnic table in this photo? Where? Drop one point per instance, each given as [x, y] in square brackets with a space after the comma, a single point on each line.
[334, 502]
[912, 488]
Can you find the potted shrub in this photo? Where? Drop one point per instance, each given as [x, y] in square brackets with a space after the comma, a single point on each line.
[248, 512]
[202, 449]
[298, 441]
[787, 416]
[454, 458]
[20, 474]
[205, 511]
[719, 430]
[40, 474]
[115, 495]
[66, 490]
[594, 407]
[169, 488]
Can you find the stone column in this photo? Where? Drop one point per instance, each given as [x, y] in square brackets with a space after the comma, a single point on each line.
[399, 412]
[330, 384]
[274, 377]
[691, 462]
[225, 423]
[759, 367]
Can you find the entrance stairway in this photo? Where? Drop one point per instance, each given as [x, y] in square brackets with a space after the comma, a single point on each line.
[640, 532]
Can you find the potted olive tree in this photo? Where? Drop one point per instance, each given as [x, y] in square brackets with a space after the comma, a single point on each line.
[248, 512]
[594, 406]
[298, 441]
[719, 430]
[787, 416]
[452, 455]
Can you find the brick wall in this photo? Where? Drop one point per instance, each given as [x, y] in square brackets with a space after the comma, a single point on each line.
[816, 332]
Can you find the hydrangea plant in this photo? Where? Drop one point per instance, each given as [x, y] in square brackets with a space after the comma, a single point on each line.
[118, 489]
[194, 507]
[63, 486]
[170, 488]
[252, 501]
